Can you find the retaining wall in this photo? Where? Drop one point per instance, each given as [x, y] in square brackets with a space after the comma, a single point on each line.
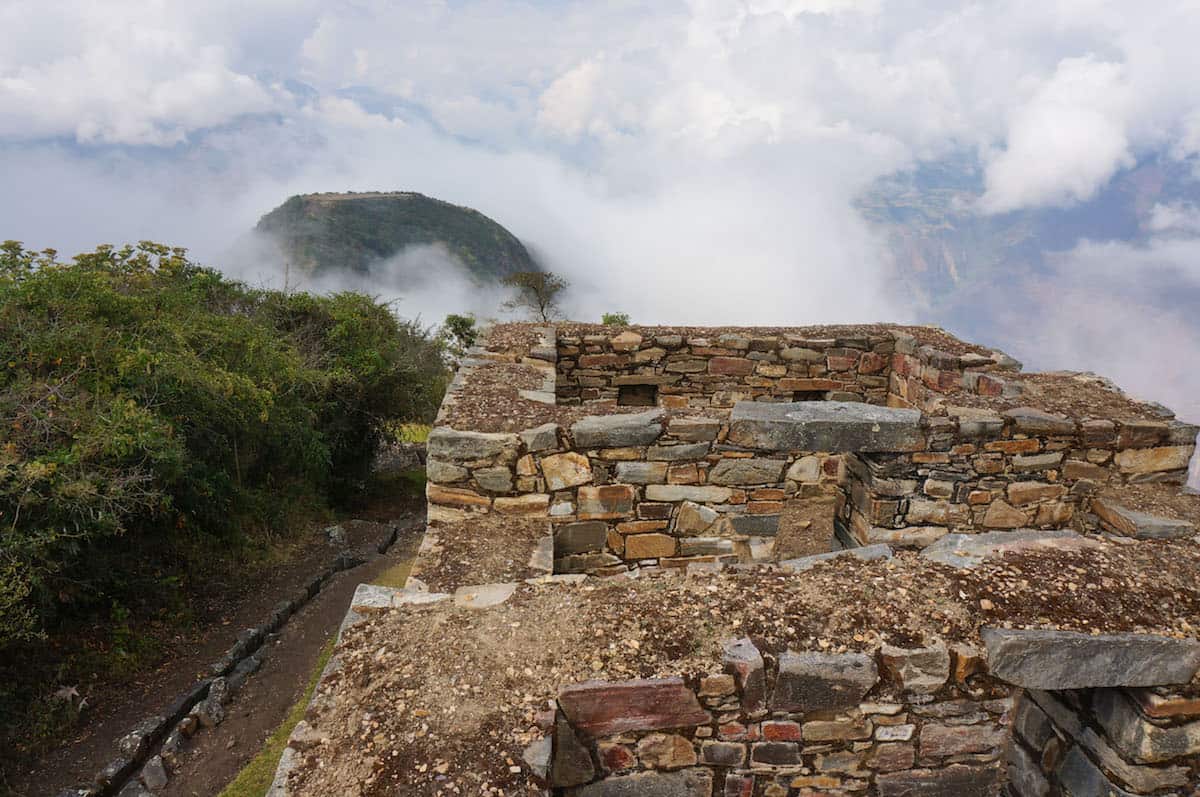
[899, 721]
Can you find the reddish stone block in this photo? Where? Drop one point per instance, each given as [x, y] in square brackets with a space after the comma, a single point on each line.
[1028, 446]
[602, 360]
[872, 363]
[989, 385]
[768, 494]
[604, 708]
[607, 502]
[731, 366]
[809, 385]
[780, 731]
[764, 507]
[841, 363]
[732, 730]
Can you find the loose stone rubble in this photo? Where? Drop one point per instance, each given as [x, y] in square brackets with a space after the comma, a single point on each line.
[996, 589]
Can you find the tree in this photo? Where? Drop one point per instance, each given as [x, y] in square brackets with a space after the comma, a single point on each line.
[458, 333]
[536, 292]
[615, 319]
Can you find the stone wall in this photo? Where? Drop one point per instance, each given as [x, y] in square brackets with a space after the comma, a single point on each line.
[920, 373]
[631, 487]
[931, 721]
[899, 722]
[1104, 741]
[717, 478]
[1021, 468]
[718, 371]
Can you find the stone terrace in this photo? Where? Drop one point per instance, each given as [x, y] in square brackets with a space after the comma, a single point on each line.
[743, 562]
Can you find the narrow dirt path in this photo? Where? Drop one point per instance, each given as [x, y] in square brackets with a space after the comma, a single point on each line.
[215, 756]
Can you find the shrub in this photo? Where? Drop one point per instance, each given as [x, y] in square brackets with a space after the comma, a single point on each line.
[615, 319]
[147, 400]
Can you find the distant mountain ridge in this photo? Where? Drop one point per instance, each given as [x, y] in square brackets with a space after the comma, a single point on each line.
[349, 232]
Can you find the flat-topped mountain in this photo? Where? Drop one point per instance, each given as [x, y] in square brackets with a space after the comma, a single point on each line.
[326, 232]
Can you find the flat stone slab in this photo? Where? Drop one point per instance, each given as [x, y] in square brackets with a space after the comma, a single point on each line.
[1045, 659]
[833, 426]
[483, 596]
[696, 782]
[618, 431]
[972, 550]
[373, 596]
[1141, 525]
[604, 708]
[814, 681]
[867, 553]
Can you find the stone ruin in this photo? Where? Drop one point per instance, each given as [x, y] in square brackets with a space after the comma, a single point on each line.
[587, 454]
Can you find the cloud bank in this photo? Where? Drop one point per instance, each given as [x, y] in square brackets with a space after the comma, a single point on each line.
[684, 162]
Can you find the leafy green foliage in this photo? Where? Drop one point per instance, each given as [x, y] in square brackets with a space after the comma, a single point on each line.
[148, 402]
[458, 333]
[615, 319]
[536, 293]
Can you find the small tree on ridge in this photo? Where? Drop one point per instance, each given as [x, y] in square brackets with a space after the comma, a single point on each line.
[536, 292]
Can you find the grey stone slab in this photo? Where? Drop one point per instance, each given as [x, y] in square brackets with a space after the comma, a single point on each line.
[956, 780]
[755, 525]
[833, 426]
[1034, 421]
[1025, 776]
[617, 431]
[742, 660]
[1046, 659]
[1082, 778]
[866, 553]
[685, 492]
[483, 596]
[1142, 525]
[747, 471]
[582, 537]
[541, 438]
[451, 444]
[440, 472]
[1136, 738]
[641, 472]
[677, 453]
[814, 681]
[697, 782]
[971, 550]
[921, 671]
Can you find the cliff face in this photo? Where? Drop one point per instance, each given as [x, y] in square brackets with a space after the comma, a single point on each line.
[327, 232]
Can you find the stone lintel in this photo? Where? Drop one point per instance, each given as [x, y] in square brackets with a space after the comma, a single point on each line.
[1048, 659]
[833, 426]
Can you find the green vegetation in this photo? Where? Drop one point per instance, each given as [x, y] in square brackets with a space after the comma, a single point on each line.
[158, 420]
[332, 232]
[459, 333]
[615, 319]
[536, 293]
[255, 779]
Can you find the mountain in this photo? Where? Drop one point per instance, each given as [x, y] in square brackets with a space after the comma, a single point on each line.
[349, 232]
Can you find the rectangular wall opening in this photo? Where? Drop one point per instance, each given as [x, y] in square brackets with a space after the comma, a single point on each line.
[637, 396]
[808, 395]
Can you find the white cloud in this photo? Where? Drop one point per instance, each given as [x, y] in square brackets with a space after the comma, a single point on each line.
[1066, 142]
[690, 160]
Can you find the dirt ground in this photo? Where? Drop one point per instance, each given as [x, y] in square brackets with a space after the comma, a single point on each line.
[440, 701]
[216, 756]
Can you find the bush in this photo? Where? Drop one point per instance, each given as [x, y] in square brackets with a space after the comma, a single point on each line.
[149, 401]
[615, 319]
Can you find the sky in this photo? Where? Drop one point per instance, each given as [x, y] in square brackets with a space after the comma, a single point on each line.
[679, 161]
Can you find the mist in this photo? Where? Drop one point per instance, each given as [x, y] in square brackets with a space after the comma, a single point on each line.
[697, 162]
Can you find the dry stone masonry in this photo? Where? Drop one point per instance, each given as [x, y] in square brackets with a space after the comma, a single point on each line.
[592, 460]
